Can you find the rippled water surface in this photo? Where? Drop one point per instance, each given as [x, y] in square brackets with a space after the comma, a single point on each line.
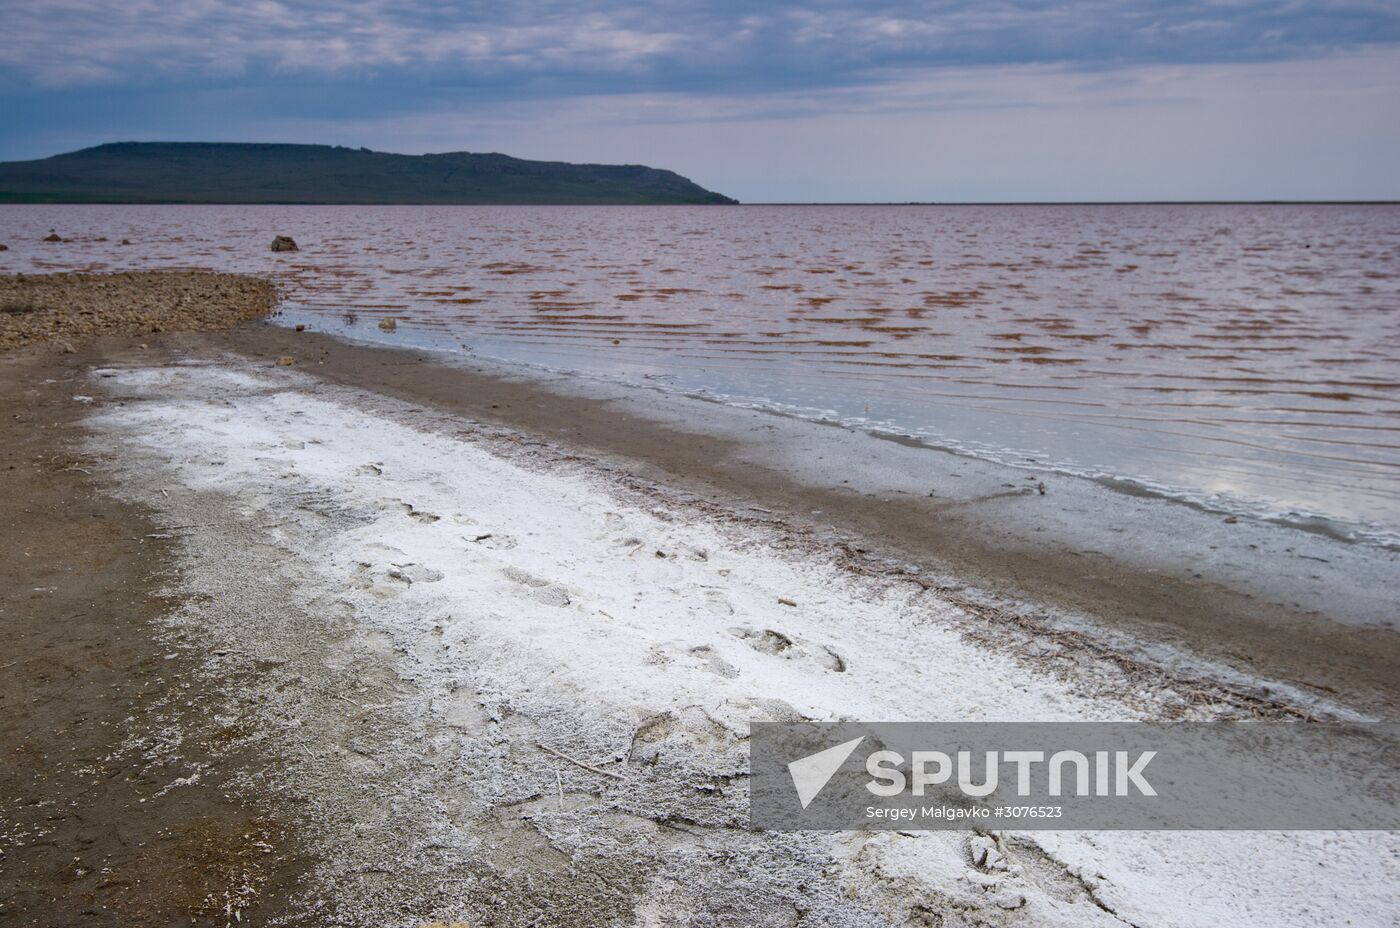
[1241, 357]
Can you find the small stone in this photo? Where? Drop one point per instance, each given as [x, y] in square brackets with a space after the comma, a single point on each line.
[67, 348]
[4, 247]
[125, 241]
[286, 361]
[301, 327]
[284, 243]
[53, 237]
[388, 324]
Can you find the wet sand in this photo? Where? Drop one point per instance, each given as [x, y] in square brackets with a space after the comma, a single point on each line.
[115, 790]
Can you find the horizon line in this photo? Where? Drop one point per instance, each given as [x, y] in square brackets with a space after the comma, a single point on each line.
[1271, 202]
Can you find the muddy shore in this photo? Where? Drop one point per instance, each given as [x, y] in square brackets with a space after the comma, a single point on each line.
[236, 686]
[115, 791]
[120, 756]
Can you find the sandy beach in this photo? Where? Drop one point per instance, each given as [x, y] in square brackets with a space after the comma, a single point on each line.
[312, 632]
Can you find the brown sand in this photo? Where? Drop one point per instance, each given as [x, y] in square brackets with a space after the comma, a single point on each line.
[69, 307]
[102, 710]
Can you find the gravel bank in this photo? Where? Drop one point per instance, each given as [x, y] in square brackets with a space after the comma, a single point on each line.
[68, 307]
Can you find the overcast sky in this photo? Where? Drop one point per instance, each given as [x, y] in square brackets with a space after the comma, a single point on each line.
[830, 100]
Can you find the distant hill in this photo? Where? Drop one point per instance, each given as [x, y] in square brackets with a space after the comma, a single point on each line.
[217, 172]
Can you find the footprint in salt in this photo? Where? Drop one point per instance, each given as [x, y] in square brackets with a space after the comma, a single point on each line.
[680, 733]
[414, 573]
[717, 603]
[492, 540]
[418, 515]
[551, 594]
[766, 709]
[462, 709]
[711, 661]
[773, 642]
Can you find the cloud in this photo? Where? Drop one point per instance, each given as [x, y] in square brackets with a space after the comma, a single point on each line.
[669, 45]
[1316, 129]
[57, 43]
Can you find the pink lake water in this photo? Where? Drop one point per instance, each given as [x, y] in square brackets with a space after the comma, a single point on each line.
[1241, 358]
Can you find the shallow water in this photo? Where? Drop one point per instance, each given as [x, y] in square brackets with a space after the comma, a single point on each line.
[1245, 358]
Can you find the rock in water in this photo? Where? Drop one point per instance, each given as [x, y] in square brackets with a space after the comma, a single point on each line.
[4, 247]
[53, 237]
[284, 243]
[388, 324]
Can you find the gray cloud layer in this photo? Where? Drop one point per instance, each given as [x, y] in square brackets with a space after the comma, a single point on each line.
[663, 45]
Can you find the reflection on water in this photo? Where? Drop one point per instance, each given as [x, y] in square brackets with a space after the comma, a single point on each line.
[1243, 356]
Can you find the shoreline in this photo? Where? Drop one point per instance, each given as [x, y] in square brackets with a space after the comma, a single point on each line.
[474, 646]
[505, 677]
[1305, 610]
[454, 352]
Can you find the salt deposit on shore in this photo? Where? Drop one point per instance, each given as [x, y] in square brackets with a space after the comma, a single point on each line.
[451, 630]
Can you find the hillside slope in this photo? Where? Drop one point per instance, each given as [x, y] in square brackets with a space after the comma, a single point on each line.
[214, 172]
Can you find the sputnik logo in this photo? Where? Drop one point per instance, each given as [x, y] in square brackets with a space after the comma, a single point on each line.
[810, 774]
